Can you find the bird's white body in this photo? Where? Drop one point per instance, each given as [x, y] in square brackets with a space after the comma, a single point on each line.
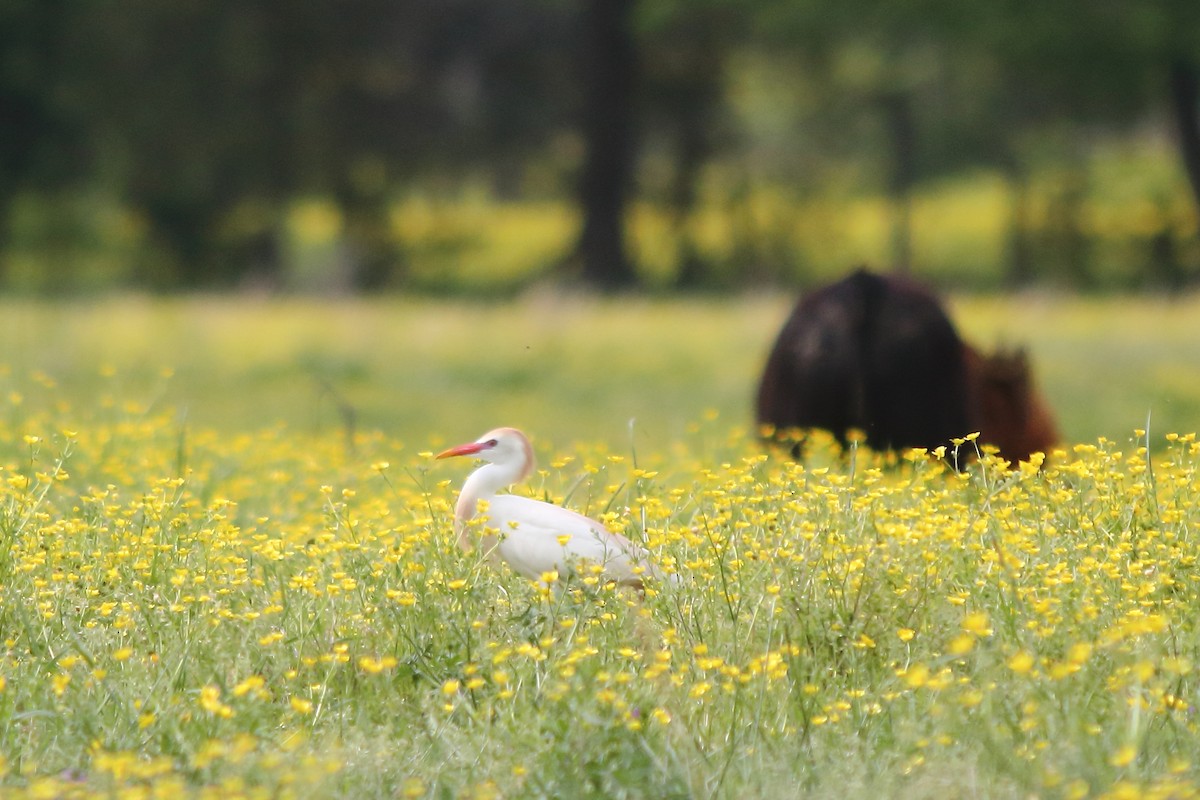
[533, 537]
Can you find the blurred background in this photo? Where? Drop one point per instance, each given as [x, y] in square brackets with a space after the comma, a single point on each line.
[480, 147]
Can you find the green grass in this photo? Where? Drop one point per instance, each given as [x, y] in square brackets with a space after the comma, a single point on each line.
[566, 368]
[204, 591]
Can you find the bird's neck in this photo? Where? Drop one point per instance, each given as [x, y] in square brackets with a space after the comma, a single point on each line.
[483, 483]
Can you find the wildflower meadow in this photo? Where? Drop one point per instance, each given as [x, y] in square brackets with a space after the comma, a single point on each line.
[272, 604]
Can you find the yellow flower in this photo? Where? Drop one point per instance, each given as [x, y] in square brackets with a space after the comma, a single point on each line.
[1079, 653]
[906, 634]
[210, 701]
[1180, 666]
[253, 683]
[1077, 789]
[402, 598]
[374, 665]
[977, 624]
[962, 644]
[300, 705]
[1143, 671]
[1123, 756]
[1061, 669]
[1021, 662]
[915, 676]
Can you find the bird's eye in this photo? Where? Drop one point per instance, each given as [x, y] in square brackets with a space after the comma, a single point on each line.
[492, 442]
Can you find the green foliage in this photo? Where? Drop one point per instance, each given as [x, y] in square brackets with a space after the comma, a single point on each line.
[192, 145]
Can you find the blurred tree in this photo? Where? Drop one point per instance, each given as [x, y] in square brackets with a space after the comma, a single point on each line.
[188, 120]
[1184, 83]
[608, 62]
[688, 46]
[892, 86]
[1074, 70]
[42, 146]
[1018, 85]
[214, 117]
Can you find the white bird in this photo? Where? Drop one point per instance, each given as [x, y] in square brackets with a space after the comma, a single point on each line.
[534, 537]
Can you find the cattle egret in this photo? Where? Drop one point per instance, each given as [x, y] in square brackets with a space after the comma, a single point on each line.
[533, 537]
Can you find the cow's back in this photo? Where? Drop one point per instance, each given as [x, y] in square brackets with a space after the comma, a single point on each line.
[871, 352]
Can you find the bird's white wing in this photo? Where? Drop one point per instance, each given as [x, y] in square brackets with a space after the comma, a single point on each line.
[532, 540]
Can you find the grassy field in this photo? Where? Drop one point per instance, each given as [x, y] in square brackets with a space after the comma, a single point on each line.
[228, 568]
[566, 368]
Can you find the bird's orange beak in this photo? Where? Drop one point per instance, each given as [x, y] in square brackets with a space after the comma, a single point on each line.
[468, 449]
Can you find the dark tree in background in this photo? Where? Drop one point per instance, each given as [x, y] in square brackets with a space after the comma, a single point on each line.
[682, 115]
[42, 141]
[1184, 84]
[609, 69]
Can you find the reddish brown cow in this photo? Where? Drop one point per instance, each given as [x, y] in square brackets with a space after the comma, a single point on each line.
[1008, 411]
[879, 354]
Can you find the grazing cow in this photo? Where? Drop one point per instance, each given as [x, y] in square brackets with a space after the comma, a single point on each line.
[879, 354]
[1008, 411]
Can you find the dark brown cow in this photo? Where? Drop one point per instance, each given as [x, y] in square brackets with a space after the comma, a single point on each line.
[879, 354]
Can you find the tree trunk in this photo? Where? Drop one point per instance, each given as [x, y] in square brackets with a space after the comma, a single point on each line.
[1019, 272]
[690, 94]
[1068, 245]
[689, 158]
[1185, 102]
[608, 80]
[375, 260]
[902, 130]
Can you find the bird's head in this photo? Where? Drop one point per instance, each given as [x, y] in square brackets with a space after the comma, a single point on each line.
[505, 446]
